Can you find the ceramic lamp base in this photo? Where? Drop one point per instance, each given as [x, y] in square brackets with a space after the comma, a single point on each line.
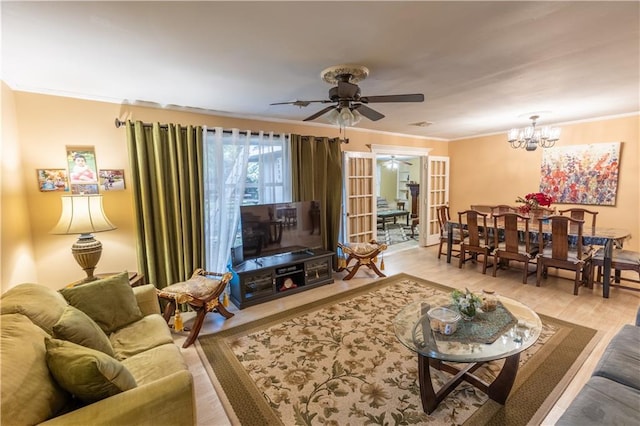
[87, 251]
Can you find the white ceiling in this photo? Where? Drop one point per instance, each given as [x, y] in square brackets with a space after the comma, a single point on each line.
[483, 67]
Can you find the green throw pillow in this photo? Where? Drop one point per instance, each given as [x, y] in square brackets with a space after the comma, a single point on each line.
[88, 374]
[43, 305]
[76, 326]
[110, 302]
[30, 395]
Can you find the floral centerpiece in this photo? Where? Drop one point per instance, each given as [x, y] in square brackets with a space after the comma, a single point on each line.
[534, 200]
[467, 303]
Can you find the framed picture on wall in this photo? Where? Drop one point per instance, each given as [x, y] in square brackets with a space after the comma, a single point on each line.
[111, 180]
[581, 174]
[52, 180]
[82, 165]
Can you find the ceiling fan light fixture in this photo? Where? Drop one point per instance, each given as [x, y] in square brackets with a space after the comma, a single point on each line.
[332, 116]
[356, 117]
[345, 117]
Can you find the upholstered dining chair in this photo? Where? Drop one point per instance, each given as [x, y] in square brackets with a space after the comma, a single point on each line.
[515, 245]
[477, 241]
[443, 218]
[580, 214]
[622, 260]
[202, 293]
[498, 209]
[561, 253]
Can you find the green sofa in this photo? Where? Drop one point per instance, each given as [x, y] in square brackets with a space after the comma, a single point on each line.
[99, 354]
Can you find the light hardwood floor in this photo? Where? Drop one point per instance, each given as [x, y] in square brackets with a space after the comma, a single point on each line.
[554, 298]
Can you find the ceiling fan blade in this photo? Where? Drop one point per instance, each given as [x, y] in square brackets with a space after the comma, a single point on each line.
[299, 103]
[347, 90]
[415, 97]
[319, 113]
[371, 114]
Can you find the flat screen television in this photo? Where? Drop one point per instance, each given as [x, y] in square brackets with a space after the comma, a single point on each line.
[270, 229]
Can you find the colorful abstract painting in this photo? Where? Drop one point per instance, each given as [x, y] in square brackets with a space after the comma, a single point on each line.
[581, 174]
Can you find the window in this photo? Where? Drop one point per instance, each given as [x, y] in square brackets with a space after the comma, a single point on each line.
[240, 168]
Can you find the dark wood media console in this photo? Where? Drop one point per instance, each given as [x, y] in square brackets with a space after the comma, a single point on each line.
[266, 278]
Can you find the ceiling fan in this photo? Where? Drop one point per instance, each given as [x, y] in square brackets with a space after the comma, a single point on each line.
[348, 104]
[394, 162]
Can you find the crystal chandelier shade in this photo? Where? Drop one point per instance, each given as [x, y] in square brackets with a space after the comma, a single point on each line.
[531, 137]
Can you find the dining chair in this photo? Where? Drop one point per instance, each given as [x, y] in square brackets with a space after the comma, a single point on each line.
[514, 242]
[561, 253]
[444, 218]
[621, 260]
[482, 208]
[477, 241]
[580, 213]
[498, 209]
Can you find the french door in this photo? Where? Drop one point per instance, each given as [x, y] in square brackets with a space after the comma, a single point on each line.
[359, 204]
[437, 195]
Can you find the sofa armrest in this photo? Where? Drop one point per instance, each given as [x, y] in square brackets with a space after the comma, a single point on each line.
[170, 400]
[147, 299]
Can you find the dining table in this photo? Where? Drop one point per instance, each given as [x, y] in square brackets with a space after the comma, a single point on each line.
[599, 236]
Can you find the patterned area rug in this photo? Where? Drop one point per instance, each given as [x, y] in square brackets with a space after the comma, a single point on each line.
[337, 362]
[396, 234]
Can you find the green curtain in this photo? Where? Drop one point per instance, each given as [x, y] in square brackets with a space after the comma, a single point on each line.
[316, 174]
[166, 168]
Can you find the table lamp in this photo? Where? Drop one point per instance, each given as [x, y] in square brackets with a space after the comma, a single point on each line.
[83, 214]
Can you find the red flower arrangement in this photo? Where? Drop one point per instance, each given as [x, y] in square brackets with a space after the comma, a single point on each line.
[533, 200]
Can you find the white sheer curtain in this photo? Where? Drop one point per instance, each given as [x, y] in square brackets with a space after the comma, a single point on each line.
[227, 155]
[225, 171]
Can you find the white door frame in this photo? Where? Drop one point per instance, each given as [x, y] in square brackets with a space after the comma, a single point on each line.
[423, 153]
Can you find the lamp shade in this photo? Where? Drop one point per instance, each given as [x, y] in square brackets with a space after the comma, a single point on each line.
[82, 214]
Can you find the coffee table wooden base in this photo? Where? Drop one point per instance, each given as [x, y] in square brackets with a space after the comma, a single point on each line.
[498, 390]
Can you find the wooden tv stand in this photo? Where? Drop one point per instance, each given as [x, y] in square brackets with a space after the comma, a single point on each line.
[270, 277]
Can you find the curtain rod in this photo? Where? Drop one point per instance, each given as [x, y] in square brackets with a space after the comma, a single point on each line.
[119, 123]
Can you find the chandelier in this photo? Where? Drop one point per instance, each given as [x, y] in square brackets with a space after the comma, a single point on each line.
[531, 137]
[344, 117]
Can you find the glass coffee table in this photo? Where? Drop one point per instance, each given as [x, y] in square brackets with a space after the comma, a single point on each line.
[435, 350]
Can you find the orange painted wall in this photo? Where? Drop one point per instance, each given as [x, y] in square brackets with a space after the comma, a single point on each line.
[44, 125]
[486, 170]
[36, 128]
[16, 248]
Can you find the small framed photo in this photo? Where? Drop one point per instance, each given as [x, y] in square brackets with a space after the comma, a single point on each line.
[111, 180]
[84, 188]
[53, 180]
[82, 165]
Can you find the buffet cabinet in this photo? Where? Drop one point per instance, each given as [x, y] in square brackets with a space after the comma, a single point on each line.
[259, 280]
